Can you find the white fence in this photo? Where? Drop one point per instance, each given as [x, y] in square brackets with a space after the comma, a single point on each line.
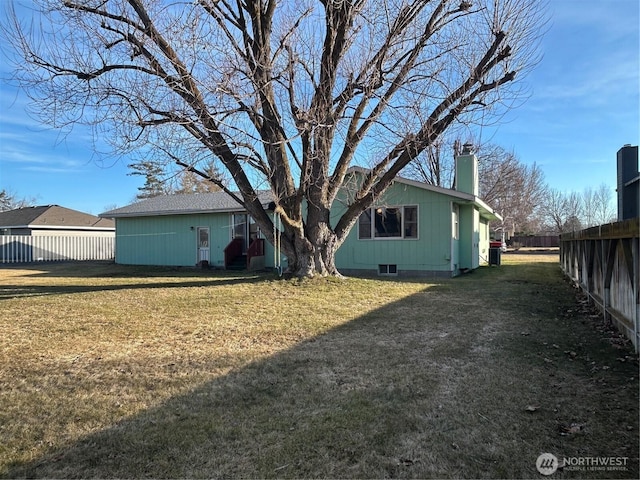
[25, 249]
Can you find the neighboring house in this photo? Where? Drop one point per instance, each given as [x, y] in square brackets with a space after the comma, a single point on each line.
[48, 220]
[54, 233]
[414, 229]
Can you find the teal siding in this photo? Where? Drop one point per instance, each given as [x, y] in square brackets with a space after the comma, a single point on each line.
[431, 252]
[470, 237]
[170, 239]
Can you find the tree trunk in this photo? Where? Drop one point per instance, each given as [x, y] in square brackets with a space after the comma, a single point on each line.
[317, 258]
[314, 247]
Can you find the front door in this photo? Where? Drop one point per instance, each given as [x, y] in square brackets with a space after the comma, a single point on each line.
[203, 244]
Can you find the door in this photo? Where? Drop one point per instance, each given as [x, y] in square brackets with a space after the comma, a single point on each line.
[239, 229]
[203, 244]
[245, 228]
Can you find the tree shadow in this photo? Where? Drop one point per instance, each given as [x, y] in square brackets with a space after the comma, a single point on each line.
[190, 277]
[325, 407]
[378, 396]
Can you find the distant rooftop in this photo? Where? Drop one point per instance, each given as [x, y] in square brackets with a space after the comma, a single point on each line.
[52, 216]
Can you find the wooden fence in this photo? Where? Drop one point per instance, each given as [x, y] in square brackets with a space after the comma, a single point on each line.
[605, 262]
[546, 241]
[27, 249]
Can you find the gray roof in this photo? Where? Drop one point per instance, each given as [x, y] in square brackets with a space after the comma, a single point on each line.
[182, 204]
[52, 216]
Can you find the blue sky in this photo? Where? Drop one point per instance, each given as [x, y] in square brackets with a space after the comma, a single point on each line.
[584, 106]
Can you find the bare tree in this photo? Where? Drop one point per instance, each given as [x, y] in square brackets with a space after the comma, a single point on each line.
[285, 95]
[589, 207]
[160, 181]
[436, 164]
[598, 206]
[604, 209]
[10, 200]
[512, 188]
[190, 182]
[562, 211]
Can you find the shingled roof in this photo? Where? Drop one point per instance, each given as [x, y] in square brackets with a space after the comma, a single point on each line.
[54, 217]
[182, 204]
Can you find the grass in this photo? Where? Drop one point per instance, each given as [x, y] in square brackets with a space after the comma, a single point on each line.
[111, 371]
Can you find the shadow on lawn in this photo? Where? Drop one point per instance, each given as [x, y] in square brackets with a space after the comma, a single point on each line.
[376, 397]
[321, 408]
[9, 291]
[188, 277]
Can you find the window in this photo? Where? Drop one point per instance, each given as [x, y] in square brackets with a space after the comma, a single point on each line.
[410, 222]
[364, 224]
[387, 269]
[388, 222]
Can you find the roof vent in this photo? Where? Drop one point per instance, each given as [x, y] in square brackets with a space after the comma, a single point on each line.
[467, 149]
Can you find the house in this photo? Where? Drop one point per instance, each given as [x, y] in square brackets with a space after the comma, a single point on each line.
[54, 233]
[414, 229]
[420, 229]
[53, 220]
[189, 229]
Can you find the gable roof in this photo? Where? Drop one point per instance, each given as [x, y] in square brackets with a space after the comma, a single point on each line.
[458, 197]
[53, 217]
[221, 202]
[181, 204]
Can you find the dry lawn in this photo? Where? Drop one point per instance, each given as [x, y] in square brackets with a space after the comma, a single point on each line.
[110, 371]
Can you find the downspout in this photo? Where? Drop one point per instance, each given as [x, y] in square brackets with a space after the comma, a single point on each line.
[277, 255]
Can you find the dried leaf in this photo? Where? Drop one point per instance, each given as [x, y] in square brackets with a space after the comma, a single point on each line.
[531, 408]
[572, 428]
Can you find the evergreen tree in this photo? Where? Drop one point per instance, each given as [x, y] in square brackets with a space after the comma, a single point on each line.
[154, 184]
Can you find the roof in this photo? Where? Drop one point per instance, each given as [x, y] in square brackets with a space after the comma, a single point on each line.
[220, 202]
[53, 217]
[458, 196]
[182, 204]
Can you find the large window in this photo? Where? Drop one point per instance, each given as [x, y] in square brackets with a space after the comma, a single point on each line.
[388, 222]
